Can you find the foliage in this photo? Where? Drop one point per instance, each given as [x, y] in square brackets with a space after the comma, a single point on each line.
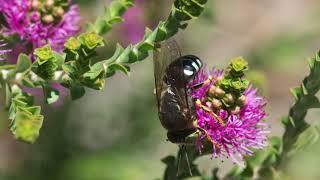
[79, 67]
[74, 68]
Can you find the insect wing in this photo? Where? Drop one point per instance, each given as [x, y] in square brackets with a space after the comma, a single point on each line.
[164, 54]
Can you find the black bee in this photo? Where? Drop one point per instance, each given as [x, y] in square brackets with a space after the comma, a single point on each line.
[172, 73]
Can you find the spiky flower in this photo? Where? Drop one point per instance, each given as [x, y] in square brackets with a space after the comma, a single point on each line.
[230, 112]
[40, 22]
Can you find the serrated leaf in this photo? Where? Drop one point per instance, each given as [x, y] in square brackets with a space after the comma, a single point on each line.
[124, 68]
[296, 92]
[96, 70]
[313, 102]
[23, 64]
[51, 95]
[59, 59]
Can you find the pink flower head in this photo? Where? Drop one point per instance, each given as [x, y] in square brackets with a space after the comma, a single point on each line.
[233, 123]
[38, 22]
[134, 25]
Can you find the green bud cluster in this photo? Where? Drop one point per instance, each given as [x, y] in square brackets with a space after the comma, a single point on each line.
[47, 62]
[227, 93]
[26, 120]
[79, 52]
[50, 10]
[73, 68]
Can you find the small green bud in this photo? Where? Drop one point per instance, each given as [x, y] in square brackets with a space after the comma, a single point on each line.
[241, 100]
[237, 66]
[216, 103]
[240, 85]
[225, 83]
[91, 40]
[73, 44]
[43, 54]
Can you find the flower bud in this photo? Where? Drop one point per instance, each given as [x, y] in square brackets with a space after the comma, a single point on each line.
[58, 12]
[219, 92]
[212, 89]
[229, 99]
[235, 110]
[241, 100]
[36, 4]
[48, 18]
[217, 104]
[209, 104]
[49, 4]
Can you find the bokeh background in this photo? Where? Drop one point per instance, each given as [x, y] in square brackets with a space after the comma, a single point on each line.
[115, 133]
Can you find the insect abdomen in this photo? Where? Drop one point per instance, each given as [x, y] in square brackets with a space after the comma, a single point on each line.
[173, 116]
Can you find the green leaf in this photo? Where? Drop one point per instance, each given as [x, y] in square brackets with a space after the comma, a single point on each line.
[77, 92]
[91, 40]
[296, 92]
[8, 95]
[51, 95]
[23, 64]
[26, 126]
[235, 171]
[124, 68]
[112, 15]
[305, 139]
[73, 44]
[43, 54]
[59, 59]
[96, 70]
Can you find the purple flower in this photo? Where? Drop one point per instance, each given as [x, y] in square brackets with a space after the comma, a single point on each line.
[234, 130]
[134, 25]
[38, 23]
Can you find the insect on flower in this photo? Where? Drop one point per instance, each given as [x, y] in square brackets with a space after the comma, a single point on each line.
[219, 106]
[172, 74]
[176, 107]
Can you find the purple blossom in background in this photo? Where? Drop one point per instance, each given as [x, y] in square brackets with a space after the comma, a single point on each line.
[38, 23]
[240, 132]
[37, 29]
[134, 25]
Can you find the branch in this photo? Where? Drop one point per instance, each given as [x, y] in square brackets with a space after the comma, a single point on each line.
[74, 70]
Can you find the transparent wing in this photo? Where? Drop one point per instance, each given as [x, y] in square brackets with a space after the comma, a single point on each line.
[164, 54]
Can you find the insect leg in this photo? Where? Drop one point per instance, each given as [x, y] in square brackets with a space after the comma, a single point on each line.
[214, 115]
[179, 159]
[206, 134]
[207, 81]
[188, 163]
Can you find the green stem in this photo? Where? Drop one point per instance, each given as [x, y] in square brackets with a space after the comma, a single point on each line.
[305, 97]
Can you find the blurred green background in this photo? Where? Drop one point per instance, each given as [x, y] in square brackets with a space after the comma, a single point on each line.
[115, 133]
